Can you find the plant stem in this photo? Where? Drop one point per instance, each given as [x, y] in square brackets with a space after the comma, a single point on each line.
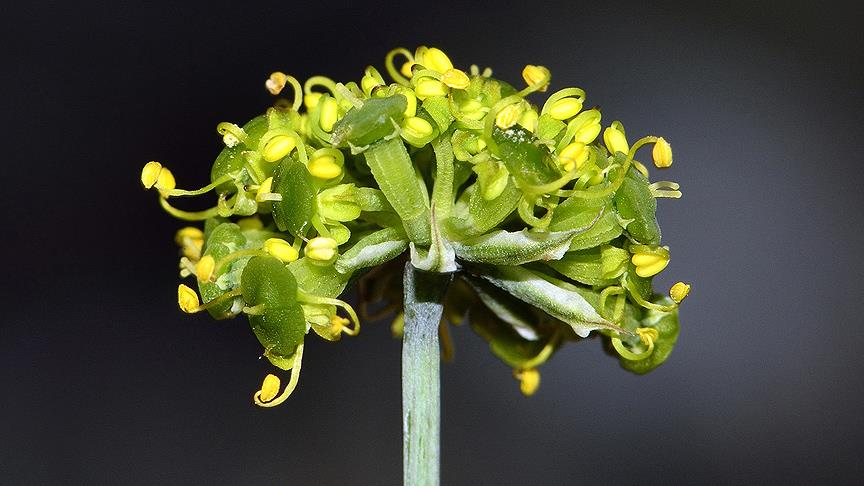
[421, 382]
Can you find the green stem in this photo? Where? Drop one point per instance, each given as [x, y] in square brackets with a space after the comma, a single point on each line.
[421, 383]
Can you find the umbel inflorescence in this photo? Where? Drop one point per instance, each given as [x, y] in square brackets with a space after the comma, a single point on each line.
[549, 226]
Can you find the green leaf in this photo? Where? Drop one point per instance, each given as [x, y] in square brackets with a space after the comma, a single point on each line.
[298, 205]
[543, 293]
[514, 312]
[404, 188]
[339, 203]
[514, 248]
[635, 201]
[376, 119]
[373, 250]
[267, 281]
[280, 331]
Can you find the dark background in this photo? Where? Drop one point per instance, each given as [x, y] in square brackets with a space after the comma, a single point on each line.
[104, 381]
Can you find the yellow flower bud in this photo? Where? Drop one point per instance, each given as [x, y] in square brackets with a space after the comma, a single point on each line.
[416, 128]
[428, 87]
[150, 173]
[455, 78]
[615, 140]
[508, 116]
[329, 114]
[529, 381]
[281, 249]
[310, 100]
[662, 153]
[204, 268]
[435, 59]
[276, 82]
[188, 233]
[679, 291]
[648, 264]
[322, 249]
[278, 147]
[565, 108]
[269, 388]
[325, 166]
[573, 156]
[266, 187]
[535, 74]
[166, 181]
[187, 299]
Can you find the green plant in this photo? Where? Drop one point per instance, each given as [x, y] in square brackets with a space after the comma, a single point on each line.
[520, 212]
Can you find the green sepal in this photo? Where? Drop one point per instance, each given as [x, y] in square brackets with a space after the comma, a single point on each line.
[577, 212]
[369, 123]
[280, 331]
[339, 203]
[668, 327]
[298, 205]
[474, 215]
[231, 159]
[314, 279]
[599, 266]
[635, 201]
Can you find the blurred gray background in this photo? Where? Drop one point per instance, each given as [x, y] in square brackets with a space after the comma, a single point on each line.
[104, 381]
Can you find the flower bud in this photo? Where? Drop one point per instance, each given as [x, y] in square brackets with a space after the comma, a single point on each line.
[679, 291]
[325, 165]
[322, 249]
[329, 114]
[435, 59]
[662, 153]
[573, 156]
[281, 249]
[508, 116]
[416, 128]
[428, 87]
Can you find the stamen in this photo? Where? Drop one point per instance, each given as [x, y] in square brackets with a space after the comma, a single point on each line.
[267, 391]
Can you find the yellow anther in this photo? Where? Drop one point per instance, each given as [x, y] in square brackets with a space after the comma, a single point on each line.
[662, 153]
[615, 140]
[371, 80]
[416, 128]
[187, 299]
[281, 249]
[679, 291]
[278, 147]
[338, 324]
[648, 336]
[329, 114]
[150, 173]
[322, 249]
[573, 156]
[529, 380]
[428, 87]
[251, 223]
[565, 108]
[269, 388]
[435, 59]
[276, 82]
[528, 120]
[406, 69]
[411, 106]
[535, 74]
[310, 100]
[324, 166]
[648, 264]
[191, 248]
[456, 79]
[166, 181]
[266, 187]
[204, 268]
[188, 233]
[587, 126]
[508, 116]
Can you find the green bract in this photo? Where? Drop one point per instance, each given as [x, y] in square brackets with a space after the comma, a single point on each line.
[547, 221]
